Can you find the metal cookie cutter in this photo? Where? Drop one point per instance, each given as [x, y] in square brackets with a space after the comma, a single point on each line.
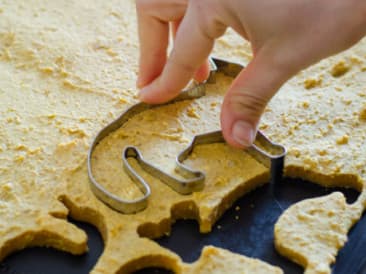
[193, 181]
[266, 152]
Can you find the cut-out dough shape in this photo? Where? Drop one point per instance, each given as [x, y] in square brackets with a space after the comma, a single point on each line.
[312, 231]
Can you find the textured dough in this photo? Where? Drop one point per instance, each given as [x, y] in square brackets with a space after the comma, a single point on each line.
[216, 261]
[68, 68]
[312, 231]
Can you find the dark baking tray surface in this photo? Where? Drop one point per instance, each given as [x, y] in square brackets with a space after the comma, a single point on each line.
[251, 235]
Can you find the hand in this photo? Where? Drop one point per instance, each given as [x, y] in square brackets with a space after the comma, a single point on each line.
[286, 36]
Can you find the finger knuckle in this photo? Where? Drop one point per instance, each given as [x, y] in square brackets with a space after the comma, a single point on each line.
[207, 19]
[250, 103]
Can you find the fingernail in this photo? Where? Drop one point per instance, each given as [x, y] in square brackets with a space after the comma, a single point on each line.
[142, 93]
[243, 133]
[139, 83]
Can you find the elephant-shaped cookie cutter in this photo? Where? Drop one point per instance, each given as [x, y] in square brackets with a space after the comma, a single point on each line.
[263, 150]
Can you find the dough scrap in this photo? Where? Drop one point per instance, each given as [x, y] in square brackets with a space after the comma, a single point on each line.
[312, 231]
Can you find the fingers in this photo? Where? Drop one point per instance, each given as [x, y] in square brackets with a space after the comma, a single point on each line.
[247, 98]
[153, 27]
[191, 48]
[203, 71]
[153, 46]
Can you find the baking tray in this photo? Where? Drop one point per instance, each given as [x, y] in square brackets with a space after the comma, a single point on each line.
[251, 234]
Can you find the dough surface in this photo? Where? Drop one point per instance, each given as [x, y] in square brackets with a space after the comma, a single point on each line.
[68, 68]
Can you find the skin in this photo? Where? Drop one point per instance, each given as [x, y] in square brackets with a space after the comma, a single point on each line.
[286, 36]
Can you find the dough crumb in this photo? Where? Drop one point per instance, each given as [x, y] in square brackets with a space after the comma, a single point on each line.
[46, 70]
[322, 152]
[19, 159]
[305, 104]
[192, 113]
[362, 115]
[214, 104]
[339, 69]
[312, 83]
[122, 100]
[343, 140]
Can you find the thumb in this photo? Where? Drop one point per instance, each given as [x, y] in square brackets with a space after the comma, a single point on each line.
[247, 98]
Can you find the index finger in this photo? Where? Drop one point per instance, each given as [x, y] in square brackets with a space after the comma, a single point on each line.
[153, 28]
[204, 70]
[192, 46]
